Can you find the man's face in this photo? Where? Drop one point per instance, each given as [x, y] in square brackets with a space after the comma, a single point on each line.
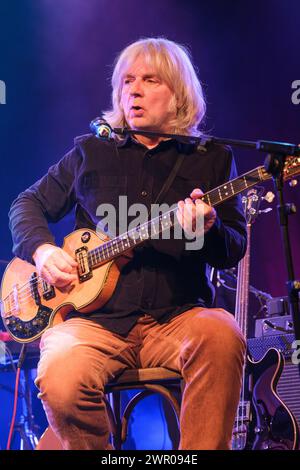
[147, 101]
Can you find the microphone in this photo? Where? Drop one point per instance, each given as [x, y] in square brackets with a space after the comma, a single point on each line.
[101, 129]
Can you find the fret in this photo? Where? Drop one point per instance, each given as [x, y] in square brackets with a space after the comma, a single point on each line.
[102, 253]
[115, 246]
[92, 256]
[226, 191]
[125, 242]
[245, 181]
[153, 227]
[144, 235]
[220, 194]
[105, 250]
[208, 199]
[165, 221]
[133, 236]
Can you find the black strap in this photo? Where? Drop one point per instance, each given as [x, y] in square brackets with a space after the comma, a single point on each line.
[170, 179]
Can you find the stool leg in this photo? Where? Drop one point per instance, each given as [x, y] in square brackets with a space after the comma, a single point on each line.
[116, 406]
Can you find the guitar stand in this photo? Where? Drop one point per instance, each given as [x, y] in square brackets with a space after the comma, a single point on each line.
[274, 164]
[26, 427]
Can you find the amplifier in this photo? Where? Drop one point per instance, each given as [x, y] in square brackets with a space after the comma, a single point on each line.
[288, 387]
[275, 325]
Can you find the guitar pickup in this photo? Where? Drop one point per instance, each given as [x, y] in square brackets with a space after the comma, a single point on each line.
[84, 269]
[48, 290]
[34, 288]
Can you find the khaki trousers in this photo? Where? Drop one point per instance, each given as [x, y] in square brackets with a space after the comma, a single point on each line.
[78, 357]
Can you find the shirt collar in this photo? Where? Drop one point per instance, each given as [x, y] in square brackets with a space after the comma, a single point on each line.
[181, 145]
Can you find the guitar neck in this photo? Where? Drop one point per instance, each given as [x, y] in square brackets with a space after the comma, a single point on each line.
[122, 243]
[242, 290]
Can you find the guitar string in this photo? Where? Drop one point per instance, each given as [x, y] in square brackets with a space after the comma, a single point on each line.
[238, 301]
[241, 422]
[241, 319]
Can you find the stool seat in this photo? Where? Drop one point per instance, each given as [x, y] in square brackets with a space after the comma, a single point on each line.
[166, 382]
[140, 376]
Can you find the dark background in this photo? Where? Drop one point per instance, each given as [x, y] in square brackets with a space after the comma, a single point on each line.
[56, 59]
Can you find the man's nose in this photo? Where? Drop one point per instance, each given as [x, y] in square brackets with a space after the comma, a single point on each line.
[136, 88]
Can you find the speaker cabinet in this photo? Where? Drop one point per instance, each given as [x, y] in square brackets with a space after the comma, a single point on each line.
[288, 387]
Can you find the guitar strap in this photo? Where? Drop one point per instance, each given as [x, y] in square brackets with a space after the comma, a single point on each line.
[167, 184]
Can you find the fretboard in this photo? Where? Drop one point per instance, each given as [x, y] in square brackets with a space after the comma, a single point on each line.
[242, 288]
[152, 228]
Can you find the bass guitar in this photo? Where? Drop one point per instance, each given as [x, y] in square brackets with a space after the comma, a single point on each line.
[263, 421]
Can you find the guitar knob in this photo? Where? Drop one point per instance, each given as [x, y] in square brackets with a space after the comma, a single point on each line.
[85, 237]
[258, 430]
[293, 183]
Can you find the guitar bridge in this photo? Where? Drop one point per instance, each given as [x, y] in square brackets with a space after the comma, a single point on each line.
[48, 290]
[84, 269]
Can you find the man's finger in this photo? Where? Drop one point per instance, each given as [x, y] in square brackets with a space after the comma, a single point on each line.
[196, 193]
[69, 259]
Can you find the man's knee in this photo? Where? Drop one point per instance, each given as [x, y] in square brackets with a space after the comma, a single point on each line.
[217, 330]
[64, 384]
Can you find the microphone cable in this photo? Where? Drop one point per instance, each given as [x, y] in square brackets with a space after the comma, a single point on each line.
[16, 394]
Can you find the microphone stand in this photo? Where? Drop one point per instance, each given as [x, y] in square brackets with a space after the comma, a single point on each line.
[274, 164]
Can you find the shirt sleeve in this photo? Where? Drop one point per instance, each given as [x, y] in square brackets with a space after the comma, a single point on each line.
[47, 200]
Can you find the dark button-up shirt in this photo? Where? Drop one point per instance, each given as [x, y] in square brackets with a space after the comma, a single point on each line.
[163, 278]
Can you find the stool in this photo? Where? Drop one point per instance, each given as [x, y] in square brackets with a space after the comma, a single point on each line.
[160, 380]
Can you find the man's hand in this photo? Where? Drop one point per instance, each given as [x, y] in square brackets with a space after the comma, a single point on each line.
[55, 265]
[192, 211]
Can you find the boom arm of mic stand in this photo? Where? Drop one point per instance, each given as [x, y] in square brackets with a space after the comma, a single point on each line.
[260, 145]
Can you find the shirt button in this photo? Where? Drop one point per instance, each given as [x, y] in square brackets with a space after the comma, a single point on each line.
[144, 193]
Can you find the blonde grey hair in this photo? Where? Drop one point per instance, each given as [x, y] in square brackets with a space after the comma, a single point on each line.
[172, 62]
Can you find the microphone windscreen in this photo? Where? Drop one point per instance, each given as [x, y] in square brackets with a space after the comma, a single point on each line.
[101, 128]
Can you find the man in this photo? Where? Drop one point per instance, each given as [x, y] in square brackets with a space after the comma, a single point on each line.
[158, 314]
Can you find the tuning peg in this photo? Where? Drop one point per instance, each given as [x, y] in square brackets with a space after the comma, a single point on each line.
[265, 211]
[269, 197]
[293, 183]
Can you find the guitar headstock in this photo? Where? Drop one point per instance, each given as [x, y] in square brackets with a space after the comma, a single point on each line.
[252, 201]
[291, 169]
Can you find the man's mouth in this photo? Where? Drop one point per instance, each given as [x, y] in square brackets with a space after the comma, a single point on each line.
[137, 111]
